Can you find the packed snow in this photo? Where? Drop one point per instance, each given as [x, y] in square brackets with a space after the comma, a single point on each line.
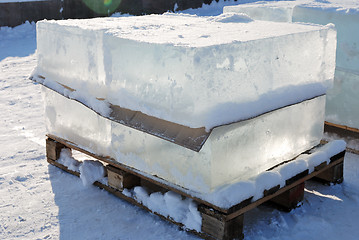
[39, 201]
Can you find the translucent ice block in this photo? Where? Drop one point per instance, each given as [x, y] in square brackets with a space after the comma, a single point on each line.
[234, 152]
[346, 22]
[343, 100]
[187, 69]
[73, 121]
[267, 11]
[345, 17]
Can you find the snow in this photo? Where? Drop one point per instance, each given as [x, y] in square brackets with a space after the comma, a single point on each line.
[40, 201]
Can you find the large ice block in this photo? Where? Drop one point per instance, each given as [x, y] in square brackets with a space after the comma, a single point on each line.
[233, 152]
[194, 71]
[342, 100]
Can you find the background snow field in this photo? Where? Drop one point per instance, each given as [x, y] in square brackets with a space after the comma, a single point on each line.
[39, 201]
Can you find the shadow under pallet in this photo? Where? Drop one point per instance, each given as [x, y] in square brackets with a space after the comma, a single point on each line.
[217, 222]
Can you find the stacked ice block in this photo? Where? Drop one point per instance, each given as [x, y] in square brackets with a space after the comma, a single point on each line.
[253, 90]
[342, 100]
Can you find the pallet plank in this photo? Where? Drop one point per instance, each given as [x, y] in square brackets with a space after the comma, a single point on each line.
[120, 179]
[290, 198]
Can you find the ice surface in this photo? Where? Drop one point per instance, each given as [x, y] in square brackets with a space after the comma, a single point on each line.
[278, 11]
[342, 100]
[232, 153]
[88, 128]
[232, 194]
[182, 69]
[346, 23]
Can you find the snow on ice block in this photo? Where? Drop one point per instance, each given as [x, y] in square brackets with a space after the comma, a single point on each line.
[193, 71]
[342, 100]
[232, 152]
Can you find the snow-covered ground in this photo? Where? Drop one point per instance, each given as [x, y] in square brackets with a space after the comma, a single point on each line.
[39, 201]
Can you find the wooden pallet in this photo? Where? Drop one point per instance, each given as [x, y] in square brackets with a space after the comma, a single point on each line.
[217, 222]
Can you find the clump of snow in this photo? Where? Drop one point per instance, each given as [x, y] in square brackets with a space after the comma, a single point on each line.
[171, 205]
[68, 161]
[227, 195]
[334, 147]
[91, 171]
[231, 18]
[265, 181]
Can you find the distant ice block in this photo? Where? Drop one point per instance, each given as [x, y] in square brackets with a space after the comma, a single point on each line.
[194, 71]
[342, 101]
[277, 11]
[234, 152]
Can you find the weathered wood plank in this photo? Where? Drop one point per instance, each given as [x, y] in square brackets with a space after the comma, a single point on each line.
[119, 179]
[217, 226]
[290, 198]
[53, 149]
[334, 174]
